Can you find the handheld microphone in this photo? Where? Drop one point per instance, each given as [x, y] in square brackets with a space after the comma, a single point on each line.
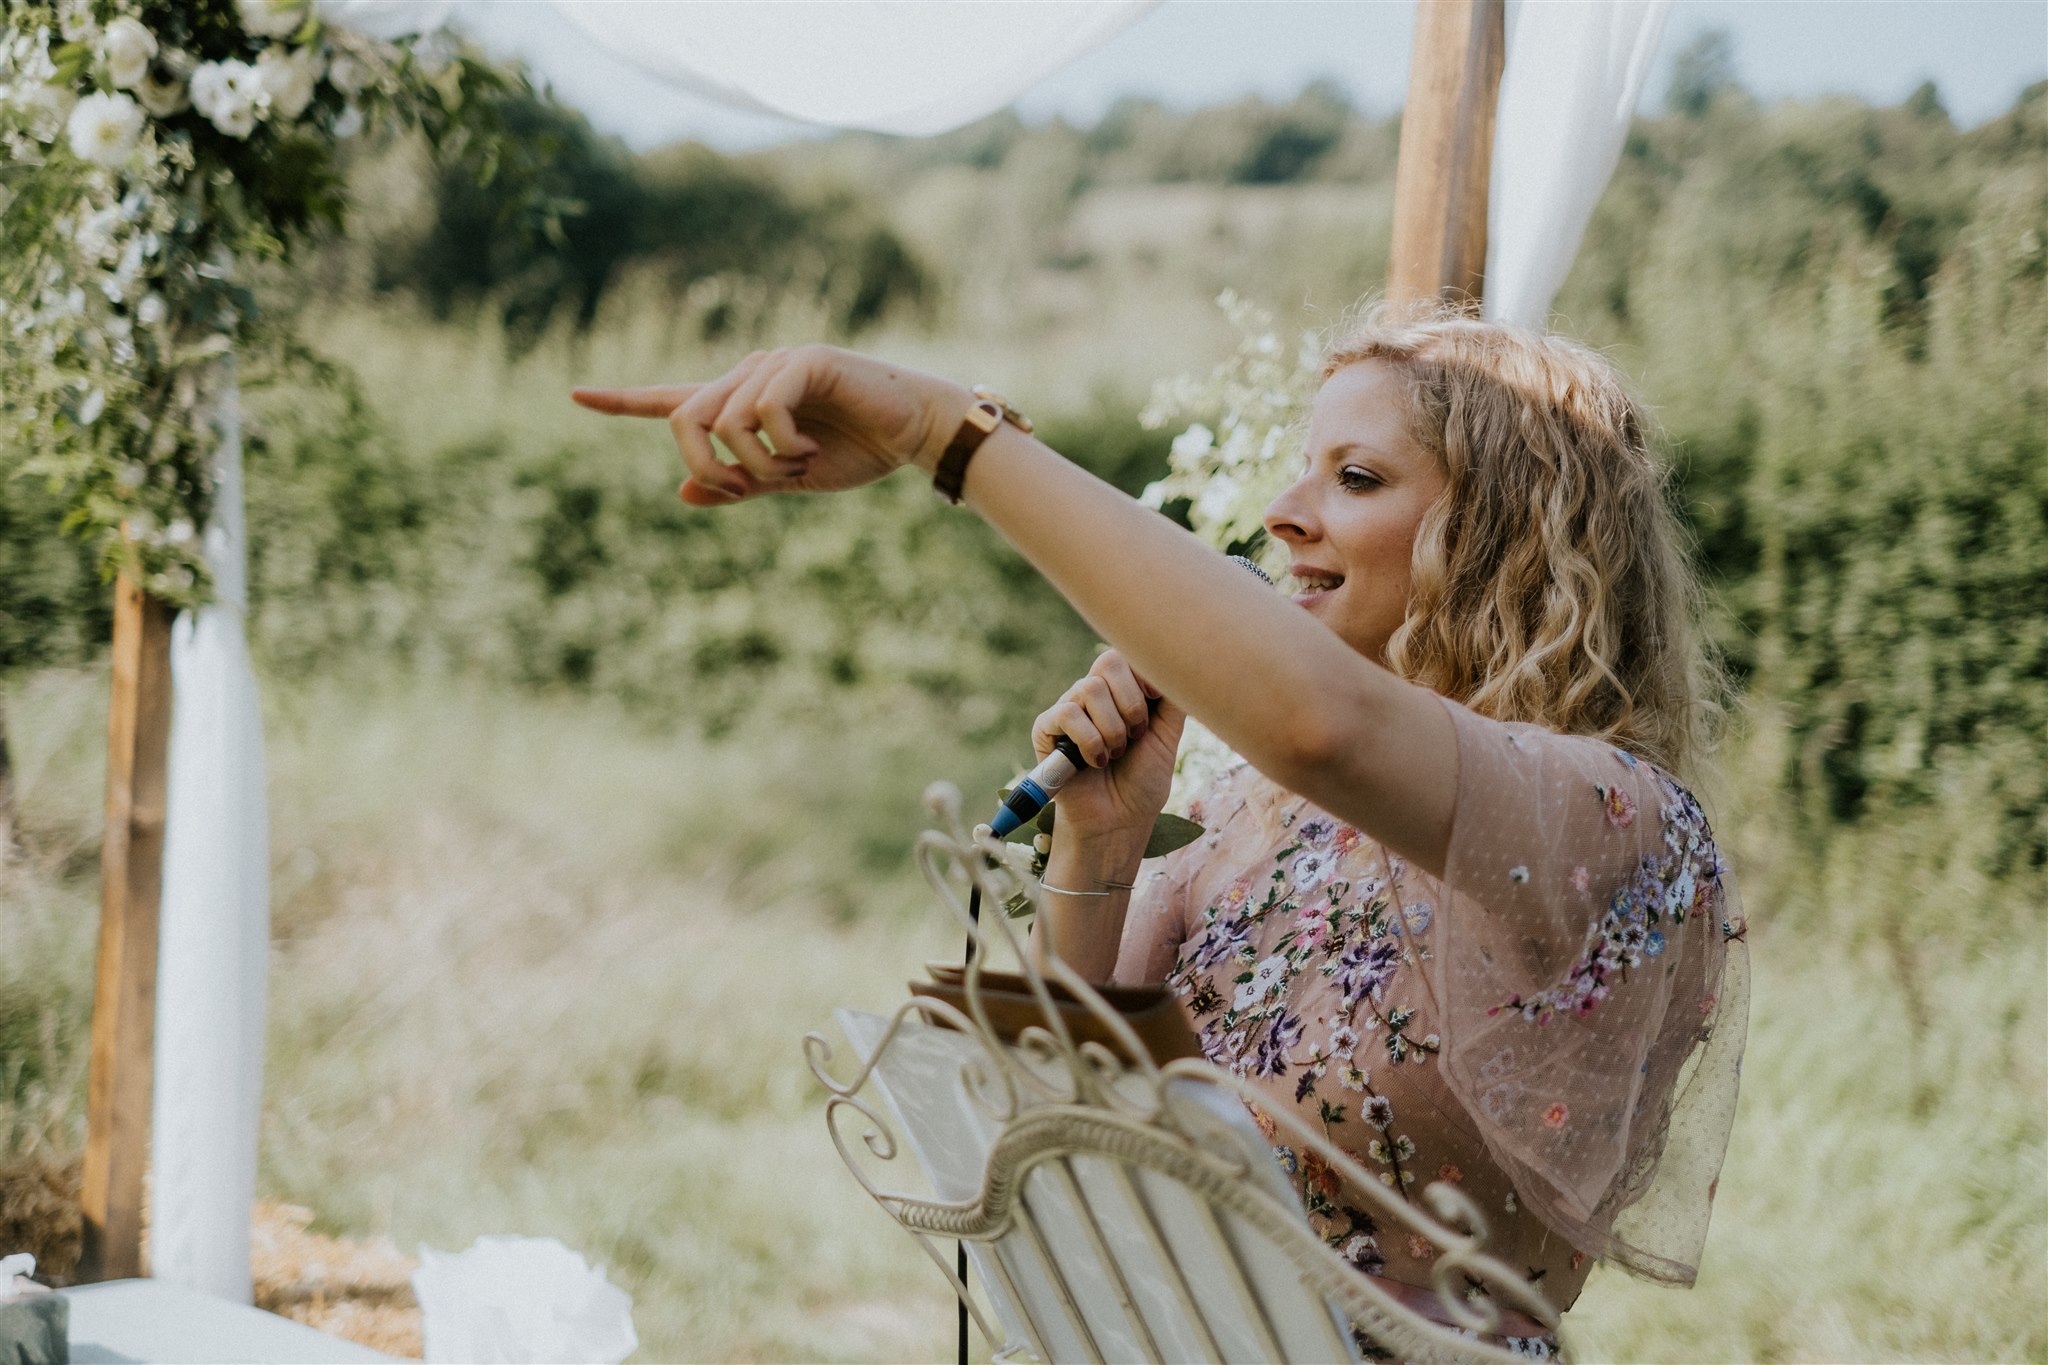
[1057, 768]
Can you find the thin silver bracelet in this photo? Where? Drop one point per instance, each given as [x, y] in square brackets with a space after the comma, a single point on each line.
[1112, 887]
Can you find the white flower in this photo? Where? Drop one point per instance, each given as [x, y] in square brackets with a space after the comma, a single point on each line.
[162, 88]
[89, 411]
[272, 18]
[229, 94]
[1193, 443]
[178, 532]
[104, 128]
[347, 74]
[151, 310]
[95, 234]
[288, 78]
[129, 48]
[349, 122]
[49, 108]
[1218, 496]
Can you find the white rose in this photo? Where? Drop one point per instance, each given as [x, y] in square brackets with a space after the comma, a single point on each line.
[104, 128]
[288, 78]
[229, 95]
[162, 88]
[272, 18]
[129, 47]
[237, 120]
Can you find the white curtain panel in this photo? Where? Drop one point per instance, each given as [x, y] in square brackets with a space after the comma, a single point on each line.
[1575, 69]
[914, 67]
[213, 957]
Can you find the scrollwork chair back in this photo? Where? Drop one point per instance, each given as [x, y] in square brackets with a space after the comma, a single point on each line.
[1117, 1208]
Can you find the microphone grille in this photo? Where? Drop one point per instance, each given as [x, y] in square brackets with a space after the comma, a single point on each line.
[1244, 563]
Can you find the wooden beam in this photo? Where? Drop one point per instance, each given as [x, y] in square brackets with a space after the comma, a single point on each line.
[1440, 181]
[118, 1086]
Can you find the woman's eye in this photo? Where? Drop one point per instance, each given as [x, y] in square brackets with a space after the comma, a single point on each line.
[1356, 479]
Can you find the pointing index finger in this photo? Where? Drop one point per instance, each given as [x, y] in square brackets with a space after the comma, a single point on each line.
[656, 400]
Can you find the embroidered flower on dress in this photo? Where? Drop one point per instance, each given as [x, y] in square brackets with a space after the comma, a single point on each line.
[1379, 1112]
[1316, 833]
[1264, 978]
[1582, 880]
[1351, 1078]
[1621, 807]
[1311, 868]
[1421, 1248]
[1343, 1041]
[1419, 916]
[1450, 1174]
[1518, 874]
[1555, 1115]
[1363, 1251]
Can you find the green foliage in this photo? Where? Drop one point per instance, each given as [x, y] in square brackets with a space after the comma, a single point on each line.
[573, 566]
[698, 215]
[1701, 72]
[1842, 312]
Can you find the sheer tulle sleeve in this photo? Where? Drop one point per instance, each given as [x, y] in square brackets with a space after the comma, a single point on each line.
[1159, 918]
[1591, 976]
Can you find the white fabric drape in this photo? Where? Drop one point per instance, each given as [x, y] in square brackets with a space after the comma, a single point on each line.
[893, 66]
[213, 958]
[1567, 93]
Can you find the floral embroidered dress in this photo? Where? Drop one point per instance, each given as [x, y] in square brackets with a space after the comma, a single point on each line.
[1518, 1028]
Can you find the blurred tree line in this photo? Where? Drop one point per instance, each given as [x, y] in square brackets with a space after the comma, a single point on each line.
[1839, 311]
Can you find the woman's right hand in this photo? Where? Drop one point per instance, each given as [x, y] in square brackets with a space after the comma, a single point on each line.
[1128, 735]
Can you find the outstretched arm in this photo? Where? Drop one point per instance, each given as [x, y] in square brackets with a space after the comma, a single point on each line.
[1274, 683]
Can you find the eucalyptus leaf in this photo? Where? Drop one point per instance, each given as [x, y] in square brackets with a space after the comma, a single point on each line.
[1170, 832]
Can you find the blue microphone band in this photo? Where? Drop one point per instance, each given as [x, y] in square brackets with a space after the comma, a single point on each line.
[1037, 787]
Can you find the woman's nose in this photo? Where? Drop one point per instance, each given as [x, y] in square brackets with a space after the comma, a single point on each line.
[1288, 517]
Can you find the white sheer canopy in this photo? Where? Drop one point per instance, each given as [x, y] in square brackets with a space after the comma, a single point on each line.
[1574, 71]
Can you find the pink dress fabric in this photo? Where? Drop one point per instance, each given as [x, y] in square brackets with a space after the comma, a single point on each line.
[1555, 1026]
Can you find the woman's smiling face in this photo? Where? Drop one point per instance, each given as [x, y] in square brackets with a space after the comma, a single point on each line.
[1350, 519]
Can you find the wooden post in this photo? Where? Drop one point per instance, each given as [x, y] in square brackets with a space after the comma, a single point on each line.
[1440, 181]
[118, 1087]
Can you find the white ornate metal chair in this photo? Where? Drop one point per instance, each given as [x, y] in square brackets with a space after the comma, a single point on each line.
[1117, 1208]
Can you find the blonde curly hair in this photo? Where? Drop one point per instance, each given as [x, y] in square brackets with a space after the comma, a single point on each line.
[1551, 581]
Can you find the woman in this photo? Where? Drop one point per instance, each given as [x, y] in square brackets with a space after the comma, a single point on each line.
[1455, 905]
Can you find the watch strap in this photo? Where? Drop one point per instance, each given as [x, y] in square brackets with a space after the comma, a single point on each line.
[988, 412]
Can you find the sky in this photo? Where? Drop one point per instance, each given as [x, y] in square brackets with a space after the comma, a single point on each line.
[1979, 53]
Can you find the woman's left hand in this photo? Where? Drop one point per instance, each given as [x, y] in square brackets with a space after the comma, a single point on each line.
[815, 419]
